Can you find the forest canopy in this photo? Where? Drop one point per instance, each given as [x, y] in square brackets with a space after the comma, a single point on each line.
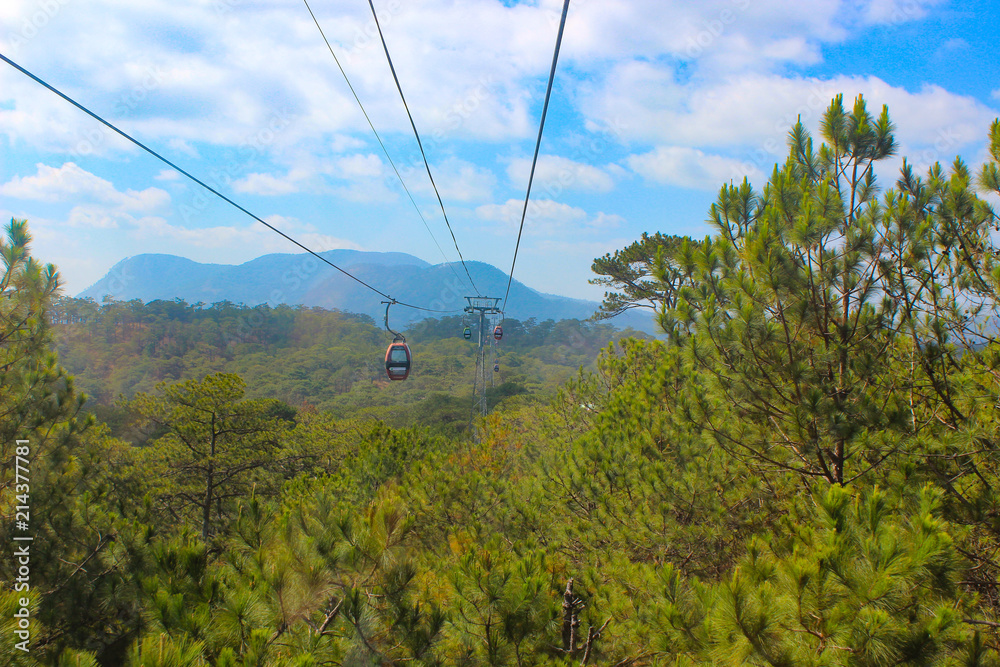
[802, 471]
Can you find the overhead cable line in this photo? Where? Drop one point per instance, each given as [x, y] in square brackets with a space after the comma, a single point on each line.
[206, 185]
[379, 138]
[420, 145]
[538, 144]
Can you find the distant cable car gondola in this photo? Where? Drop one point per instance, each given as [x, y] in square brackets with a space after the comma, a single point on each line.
[496, 368]
[498, 332]
[397, 355]
[467, 334]
[398, 360]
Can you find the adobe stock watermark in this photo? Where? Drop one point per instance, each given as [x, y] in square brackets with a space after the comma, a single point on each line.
[713, 28]
[947, 138]
[33, 24]
[22, 539]
[451, 295]
[555, 17]
[251, 148]
[119, 279]
[460, 111]
[368, 35]
[552, 186]
[772, 149]
[466, 106]
[901, 12]
[564, 351]
[609, 134]
[223, 7]
[292, 281]
[763, 158]
[90, 141]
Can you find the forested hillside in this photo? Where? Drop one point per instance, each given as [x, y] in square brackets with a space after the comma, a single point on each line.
[316, 359]
[803, 472]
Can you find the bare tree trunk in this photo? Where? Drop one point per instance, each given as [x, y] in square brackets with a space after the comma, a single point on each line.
[570, 620]
[206, 517]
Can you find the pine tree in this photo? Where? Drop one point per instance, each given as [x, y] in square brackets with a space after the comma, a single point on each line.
[213, 445]
[823, 317]
[847, 582]
[74, 582]
[643, 274]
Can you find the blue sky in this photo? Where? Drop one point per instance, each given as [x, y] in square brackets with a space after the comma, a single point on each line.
[656, 104]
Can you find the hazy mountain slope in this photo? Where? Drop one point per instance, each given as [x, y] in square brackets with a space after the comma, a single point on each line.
[303, 279]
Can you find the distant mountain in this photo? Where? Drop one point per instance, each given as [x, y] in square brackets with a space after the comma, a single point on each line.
[303, 279]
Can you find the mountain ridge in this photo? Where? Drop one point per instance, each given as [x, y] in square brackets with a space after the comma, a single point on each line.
[301, 279]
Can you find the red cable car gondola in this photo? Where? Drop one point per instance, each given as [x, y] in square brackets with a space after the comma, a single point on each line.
[397, 355]
[498, 332]
[397, 360]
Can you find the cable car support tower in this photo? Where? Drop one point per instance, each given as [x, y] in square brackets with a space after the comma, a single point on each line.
[484, 306]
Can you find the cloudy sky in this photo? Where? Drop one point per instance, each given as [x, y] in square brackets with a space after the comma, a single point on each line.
[656, 104]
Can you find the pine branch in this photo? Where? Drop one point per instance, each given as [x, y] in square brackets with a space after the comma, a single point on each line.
[592, 636]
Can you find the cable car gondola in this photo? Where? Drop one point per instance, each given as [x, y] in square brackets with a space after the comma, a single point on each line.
[467, 334]
[498, 332]
[398, 360]
[397, 356]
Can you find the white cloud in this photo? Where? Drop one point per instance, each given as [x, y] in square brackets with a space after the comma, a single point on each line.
[341, 143]
[704, 31]
[182, 146]
[361, 171]
[895, 12]
[371, 191]
[457, 180]
[304, 232]
[679, 91]
[161, 86]
[235, 241]
[752, 114]
[545, 217]
[70, 182]
[288, 224]
[354, 166]
[554, 174]
[690, 168]
[168, 175]
[954, 44]
[606, 221]
[56, 242]
[157, 80]
[96, 217]
[470, 70]
[267, 184]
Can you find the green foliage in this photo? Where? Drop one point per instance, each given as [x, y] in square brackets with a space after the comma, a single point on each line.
[802, 473]
[311, 358]
[848, 582]
[74, 578]
[989, 177]
[503, 604]
[164, 651]
[643, 272]
[213, 448]
[825, 319]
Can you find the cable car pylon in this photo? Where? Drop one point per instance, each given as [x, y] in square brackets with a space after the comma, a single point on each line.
[484, 306]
